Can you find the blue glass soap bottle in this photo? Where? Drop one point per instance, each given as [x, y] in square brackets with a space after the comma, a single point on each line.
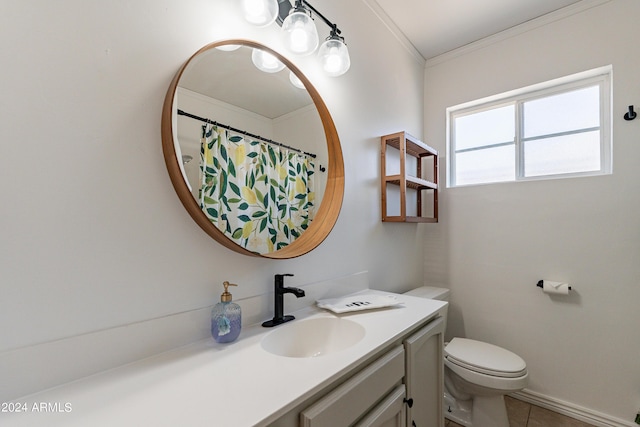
[226, 317]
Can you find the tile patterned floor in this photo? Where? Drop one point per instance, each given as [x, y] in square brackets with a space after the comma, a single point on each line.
[523, 414]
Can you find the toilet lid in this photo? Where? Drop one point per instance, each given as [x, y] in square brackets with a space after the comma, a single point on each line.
[485, 358]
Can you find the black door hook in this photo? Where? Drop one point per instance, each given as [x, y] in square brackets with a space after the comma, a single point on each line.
[630, 115]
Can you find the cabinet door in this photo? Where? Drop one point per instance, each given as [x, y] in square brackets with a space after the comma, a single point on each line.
[389, 413]
[424, 375]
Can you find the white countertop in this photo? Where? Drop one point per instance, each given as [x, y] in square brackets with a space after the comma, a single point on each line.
[210, 384]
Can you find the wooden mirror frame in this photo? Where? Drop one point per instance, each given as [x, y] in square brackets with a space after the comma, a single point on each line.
[331, 204]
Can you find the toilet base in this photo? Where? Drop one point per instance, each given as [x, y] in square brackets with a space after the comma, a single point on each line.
[489, 411]
[483, 411]
[458, 411]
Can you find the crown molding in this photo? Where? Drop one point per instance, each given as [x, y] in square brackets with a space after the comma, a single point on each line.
[394, 29]
[541, 21]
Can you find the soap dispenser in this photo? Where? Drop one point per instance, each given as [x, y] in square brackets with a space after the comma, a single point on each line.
[225, 317]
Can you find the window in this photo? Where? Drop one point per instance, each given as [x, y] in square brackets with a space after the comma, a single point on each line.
[555, 129]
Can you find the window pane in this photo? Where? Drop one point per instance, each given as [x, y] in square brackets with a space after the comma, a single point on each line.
[485, 165]
[566, 154]
[578, 109]
[488, 127]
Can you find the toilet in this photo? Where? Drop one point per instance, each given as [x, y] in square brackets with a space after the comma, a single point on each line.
[477, 375]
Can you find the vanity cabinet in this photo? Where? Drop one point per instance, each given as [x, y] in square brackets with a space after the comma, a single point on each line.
[401, 387]
[407, 196]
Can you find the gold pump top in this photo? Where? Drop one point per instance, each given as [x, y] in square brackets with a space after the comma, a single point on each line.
[226, 296]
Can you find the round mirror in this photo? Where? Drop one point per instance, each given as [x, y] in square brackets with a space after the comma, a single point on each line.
[252, 151]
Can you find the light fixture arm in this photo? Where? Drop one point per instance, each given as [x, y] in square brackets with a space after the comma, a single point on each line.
[284, 7]
[334, 28]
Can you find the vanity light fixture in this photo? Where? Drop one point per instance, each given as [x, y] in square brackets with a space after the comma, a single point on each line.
[334, 54]
[300, 33]
[260, 12]
[296, 81]
[229, 47]
[265, 61]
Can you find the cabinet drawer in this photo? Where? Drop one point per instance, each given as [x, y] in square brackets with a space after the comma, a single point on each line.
[353, 399]
[389, 413]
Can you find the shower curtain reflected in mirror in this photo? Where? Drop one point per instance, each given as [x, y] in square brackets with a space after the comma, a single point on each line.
[259, 194]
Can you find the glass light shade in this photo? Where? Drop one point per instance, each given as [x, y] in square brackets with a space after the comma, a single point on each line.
[260, 12]
[265, 61]
[300, 33]
[229, 47]
[334, 56]
[296, 81]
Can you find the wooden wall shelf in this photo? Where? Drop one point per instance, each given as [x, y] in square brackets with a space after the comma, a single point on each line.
[409, 147]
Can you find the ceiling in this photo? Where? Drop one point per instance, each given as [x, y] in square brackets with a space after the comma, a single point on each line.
[232, 78]
[437, 26]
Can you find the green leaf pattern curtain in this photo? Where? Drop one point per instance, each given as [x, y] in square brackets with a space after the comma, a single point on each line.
[259, 194]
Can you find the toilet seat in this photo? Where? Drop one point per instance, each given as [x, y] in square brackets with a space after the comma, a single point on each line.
[484, 358]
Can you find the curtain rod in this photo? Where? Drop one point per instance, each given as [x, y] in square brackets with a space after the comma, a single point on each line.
[213, 122]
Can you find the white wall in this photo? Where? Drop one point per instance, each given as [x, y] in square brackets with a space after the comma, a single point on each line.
[494, 242]
[303, 130]
[93, 235]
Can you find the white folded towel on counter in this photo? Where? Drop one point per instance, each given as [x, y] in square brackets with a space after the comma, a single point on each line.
[363, 300]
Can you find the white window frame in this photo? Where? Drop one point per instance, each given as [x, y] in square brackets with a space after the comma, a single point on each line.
[601, 76]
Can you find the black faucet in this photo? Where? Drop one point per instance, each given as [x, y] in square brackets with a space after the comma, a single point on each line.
[280, 290]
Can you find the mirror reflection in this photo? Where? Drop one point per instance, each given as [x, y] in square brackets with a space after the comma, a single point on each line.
[251, 147]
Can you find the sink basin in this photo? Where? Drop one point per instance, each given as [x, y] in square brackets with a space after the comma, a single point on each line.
[313, 337]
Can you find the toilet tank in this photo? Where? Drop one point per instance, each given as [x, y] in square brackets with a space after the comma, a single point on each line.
[430, 292]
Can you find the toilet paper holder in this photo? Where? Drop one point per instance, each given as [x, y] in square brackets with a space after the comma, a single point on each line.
[540, 284]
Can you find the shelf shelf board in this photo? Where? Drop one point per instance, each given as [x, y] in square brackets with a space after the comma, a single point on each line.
[412, 219]
[412, 182]
[414, 146]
